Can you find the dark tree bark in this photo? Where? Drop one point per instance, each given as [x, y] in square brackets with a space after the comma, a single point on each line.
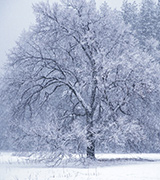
[91, 147]
[90, 151]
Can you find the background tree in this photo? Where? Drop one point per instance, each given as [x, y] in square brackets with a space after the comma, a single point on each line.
[144, 21]
[147, 32]
[73, 80]
[130, 13]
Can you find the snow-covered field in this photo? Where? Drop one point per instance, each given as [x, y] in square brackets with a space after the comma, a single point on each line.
[18, 168]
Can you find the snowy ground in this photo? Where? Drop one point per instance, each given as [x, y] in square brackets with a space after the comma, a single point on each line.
[17, 168]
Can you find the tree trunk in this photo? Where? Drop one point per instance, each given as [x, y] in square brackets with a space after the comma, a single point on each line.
[90, 115]
[91, 139]
[91, 147]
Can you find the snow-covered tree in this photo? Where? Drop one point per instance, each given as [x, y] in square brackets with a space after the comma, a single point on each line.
[146, 29]
[158, 21]
[148, 18]
[130, 13]
[73, 78]
[145, 24]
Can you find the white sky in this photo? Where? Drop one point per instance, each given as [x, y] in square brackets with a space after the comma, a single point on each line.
[16, 15]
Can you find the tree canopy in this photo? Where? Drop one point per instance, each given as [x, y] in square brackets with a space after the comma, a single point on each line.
[79, 81]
